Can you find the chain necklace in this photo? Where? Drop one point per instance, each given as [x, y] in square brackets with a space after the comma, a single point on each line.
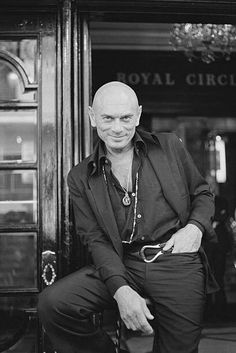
[135, 211]
[135, 203]
[117, 167]
[126, 200]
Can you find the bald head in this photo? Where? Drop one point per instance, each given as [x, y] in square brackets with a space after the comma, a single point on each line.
[115, 113]
[113, 93]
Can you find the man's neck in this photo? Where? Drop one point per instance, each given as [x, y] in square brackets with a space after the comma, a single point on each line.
[121, 165]
[120, 152]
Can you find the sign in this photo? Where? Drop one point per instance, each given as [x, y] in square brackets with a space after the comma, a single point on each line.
[169, 78]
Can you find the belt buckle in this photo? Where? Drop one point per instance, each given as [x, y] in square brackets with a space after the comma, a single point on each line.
[145, 247]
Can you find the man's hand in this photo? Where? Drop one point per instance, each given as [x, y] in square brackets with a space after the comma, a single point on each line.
[187, 239]
[133, 310]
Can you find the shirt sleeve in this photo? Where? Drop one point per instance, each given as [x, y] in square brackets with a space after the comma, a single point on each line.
[201, 197]
[107, 261]
[198, 224]
[114, 283]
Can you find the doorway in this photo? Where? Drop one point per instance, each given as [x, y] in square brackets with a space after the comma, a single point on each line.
[191, 100]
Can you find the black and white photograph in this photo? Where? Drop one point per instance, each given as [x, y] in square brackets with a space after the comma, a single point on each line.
[117, 176]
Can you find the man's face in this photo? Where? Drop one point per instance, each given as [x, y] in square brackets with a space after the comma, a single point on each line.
[116, 118]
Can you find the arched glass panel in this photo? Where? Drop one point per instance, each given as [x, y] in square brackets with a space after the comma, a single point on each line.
[11, 86]
[26, 51]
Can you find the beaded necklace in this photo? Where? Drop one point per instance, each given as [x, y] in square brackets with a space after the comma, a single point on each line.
[135, 203]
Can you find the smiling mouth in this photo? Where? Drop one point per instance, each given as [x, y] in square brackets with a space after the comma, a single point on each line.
[117, 137]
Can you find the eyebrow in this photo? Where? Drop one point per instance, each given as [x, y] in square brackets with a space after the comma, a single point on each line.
[113, 116]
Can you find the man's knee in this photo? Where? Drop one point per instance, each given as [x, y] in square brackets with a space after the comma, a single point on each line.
[57, 302]
[50, 304]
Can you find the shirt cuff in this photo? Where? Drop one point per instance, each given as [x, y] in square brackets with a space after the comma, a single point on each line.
[115, 282]
[196, 223]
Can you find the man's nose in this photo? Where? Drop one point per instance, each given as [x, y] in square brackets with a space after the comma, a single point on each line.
[117, 126]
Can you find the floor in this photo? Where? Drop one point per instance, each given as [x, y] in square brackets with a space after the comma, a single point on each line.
[218, 335]
[218, 340]
[215, 339]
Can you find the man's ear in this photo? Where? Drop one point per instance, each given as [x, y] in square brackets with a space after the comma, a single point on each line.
[139, 115]
[92, 116]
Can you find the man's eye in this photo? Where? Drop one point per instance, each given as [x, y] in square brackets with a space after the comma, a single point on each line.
[126, 118]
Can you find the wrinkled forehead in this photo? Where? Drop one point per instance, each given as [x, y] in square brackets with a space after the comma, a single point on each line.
[116, 110]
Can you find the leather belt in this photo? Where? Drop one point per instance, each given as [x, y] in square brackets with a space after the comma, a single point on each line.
[148, 253]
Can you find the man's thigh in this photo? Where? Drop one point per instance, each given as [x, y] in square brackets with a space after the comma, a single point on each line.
[177, 286]
[66, 308]
[78, 294]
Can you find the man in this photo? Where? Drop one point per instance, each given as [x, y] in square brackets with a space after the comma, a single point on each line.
[135, 190]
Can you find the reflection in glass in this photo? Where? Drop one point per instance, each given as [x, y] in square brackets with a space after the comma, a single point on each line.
[11, 85]
[26, 50]
[18, 261]
[18, 324]
[18, 137]
[21, 335]
[18, 197]
[26, 302]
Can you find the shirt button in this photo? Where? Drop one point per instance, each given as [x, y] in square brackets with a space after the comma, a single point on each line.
[142, 238]
[139, 215]
[133, 193]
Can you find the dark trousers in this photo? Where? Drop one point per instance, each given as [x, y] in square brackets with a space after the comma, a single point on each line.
[175, 284]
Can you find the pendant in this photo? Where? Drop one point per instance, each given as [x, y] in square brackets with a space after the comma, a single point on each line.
[126, 200]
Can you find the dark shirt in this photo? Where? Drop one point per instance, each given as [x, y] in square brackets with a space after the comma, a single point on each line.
[155, 220]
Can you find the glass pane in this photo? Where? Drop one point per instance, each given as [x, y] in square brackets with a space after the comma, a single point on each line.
[11, 85]
[18, 197]
[18, 325]
[18, 260]
[26, 50]
[18, 136]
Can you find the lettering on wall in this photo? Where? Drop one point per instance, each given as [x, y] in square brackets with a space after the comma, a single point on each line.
[169, 79]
